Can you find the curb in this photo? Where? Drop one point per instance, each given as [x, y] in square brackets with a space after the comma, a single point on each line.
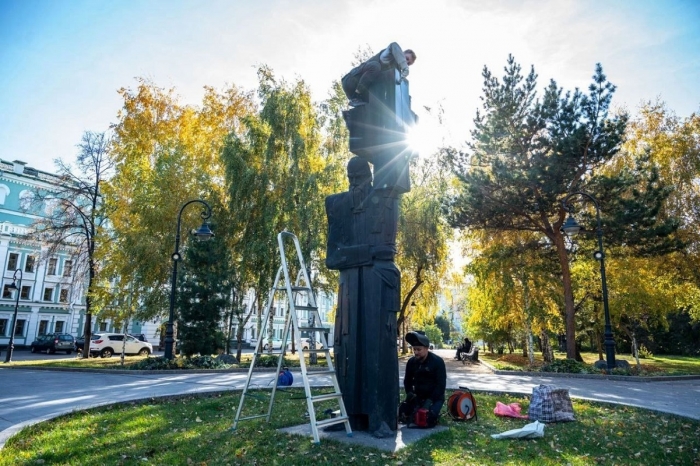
[150, 372]
[624, 378]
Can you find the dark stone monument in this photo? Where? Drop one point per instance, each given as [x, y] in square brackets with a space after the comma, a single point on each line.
[362, 226]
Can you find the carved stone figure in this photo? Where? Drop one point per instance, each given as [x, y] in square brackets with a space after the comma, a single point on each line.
[362, 226]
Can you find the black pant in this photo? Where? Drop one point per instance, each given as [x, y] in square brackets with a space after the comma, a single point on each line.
[356, 83]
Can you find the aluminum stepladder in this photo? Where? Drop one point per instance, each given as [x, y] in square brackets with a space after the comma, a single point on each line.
[300, 291]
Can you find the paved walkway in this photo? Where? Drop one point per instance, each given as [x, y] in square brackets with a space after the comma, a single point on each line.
[29, 396]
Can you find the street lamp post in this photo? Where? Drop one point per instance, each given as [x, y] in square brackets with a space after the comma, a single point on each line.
[571, 227]
[203, 233]
[14, 286]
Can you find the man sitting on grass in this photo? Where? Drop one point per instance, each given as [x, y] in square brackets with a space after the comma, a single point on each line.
[424, 382]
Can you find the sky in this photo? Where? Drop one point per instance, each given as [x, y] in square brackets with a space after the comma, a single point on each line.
[63, 61]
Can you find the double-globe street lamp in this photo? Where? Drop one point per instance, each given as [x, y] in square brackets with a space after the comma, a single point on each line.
[203, 233]
[16, 287]
[571, 228]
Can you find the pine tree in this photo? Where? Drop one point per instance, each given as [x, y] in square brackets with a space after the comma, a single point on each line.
[527, 155]
[203, 296]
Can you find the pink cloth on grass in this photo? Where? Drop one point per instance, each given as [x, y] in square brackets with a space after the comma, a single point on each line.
[511, 410]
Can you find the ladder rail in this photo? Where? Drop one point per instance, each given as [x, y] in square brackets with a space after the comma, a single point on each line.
[301, 288]
[257, 351]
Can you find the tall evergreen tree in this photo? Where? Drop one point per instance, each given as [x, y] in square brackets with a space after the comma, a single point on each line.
[203, 296]
[526, 155]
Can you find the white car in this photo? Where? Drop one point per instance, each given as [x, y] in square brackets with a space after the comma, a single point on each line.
[306, 343]
[276, 344]
[108, 344]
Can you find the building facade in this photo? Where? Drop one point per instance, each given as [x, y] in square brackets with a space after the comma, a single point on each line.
[50, 298]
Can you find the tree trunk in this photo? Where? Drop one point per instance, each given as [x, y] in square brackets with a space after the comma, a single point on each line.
[569, 309]
[239, 342]
[599, 344]
[547, 353]
[635, 351]
[530, 345]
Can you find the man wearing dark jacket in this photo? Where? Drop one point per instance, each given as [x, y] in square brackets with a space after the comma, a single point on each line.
[463, 348]
[357, 82]
[424, 382]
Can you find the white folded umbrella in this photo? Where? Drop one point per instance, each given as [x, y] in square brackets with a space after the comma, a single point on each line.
[532, 430]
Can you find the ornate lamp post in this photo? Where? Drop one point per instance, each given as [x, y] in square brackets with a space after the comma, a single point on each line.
[203, 233]
[571, 227]
[14, 286]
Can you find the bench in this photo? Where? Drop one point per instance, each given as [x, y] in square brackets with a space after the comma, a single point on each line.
[471, 356]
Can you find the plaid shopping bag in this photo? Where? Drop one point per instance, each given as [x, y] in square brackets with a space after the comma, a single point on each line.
[551, 404]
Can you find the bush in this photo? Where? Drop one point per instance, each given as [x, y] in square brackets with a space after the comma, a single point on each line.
[568, 366]
[199, 362]
[266, 360]
[644, 353]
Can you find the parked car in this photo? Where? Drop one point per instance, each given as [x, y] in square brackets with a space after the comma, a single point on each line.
[79, 344]
[108, 344]
[276, 344]
[306, 343]
[52, 342]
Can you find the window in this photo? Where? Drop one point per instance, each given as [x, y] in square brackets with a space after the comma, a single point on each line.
[63, 296]
[43, 327]
[59, 327]
[67, 268]
[13, 261]
[3, 327]
[4, 191]
[52, 266]
[48, 294]
[6, 292]
[26, 292]
[103, 326]
[29, 266]
[19, 328]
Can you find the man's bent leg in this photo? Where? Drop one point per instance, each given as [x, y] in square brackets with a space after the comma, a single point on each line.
[370, 73]
[349, 84]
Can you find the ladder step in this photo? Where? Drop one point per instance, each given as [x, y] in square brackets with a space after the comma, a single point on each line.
[299, 307]
[328, 396]
[309, 350]
[295, 288]
[331, 421]
[308, 373]
[313, 329]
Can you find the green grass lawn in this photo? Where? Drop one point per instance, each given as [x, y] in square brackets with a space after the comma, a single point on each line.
[197, 431]
[651, 366]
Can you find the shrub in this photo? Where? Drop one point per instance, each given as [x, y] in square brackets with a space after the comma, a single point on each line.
[266, 360]
[198, 362]
[644, 353]
[568, 366]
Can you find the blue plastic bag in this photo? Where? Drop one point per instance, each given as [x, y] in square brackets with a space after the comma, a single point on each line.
[285, 378]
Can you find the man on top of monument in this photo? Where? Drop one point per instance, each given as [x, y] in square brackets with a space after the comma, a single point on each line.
[424, 382]
[357, 82]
